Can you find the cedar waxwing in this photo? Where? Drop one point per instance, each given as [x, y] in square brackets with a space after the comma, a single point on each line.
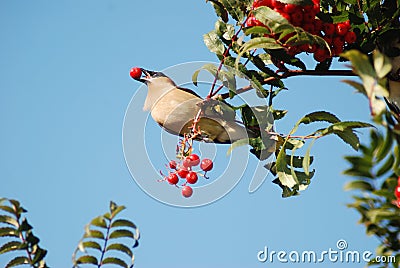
[174, 109]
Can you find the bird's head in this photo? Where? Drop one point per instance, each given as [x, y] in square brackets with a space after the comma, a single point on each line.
[151, 77]
[157, 83]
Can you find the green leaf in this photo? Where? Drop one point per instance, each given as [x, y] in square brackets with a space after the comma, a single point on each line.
[213, 43]
[346, 125]
[99, 222]
[39, 255]
[349, 137]
[284, 174]
[25, 226]
[306, 159]
[319, 117]
[358, 185]
[121, 248]
[279, 114]
[17, 261]
[115, 209]
[358, 86]
[234, 8]
[356, 172]
[211, 68]
[122, 222]
[396, 165]
[376, 215]
[386, 166]
[255, 43]
[224, 30]
[116, 261]
[10, 246]
[8, 209]
[382, 64]
[32, 239]
[360, 63]
[384, 149]
[87, 259]
[7, 231]
[90, 244]
[219, 10]
[297, 161]
[121, 233]
[256, 30]
[268, 16]
[94, 234]
[8, 220]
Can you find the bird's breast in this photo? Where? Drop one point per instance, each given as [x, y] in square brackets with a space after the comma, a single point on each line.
[175, 111]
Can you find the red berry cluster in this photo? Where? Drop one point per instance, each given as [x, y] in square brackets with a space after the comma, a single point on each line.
[336, 35]
[185, 171]
[397, 192]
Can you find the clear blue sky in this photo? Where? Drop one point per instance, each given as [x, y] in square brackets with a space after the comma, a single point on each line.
[64, 90]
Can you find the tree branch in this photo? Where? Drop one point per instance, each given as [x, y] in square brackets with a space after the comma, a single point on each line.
[290, 73]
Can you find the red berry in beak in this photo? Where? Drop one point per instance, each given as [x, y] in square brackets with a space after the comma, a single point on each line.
[135, 73]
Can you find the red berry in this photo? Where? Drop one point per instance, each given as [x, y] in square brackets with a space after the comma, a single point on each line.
[311, 48]
[350, 37]
[187, 163]
[341, 29]
[206, 164]
[397, 192]
[187, 191]
[135, 73]
[321, 55]
[297, 18]
[316, 8]
[398, 181]
[347, 24]
[182, 172]
[328, 39]
[172, 164]
[191, 177]
[252, 21]
[261, 3]
[277, 4]
[307, 8]
[308, 17]
[290, 8]
[195, 159]
[173, 178]
[286, 16]
[338, 42]
[318, 25]
[336, 51]
[308, 27]
[329, 28]
[293, 50]
[398, 203]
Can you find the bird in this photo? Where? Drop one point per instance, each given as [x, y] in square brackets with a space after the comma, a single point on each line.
[174, 108]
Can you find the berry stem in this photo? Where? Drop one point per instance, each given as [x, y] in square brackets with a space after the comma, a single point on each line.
[221, 63]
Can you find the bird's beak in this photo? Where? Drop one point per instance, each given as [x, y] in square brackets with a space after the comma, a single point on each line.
[147, 75]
